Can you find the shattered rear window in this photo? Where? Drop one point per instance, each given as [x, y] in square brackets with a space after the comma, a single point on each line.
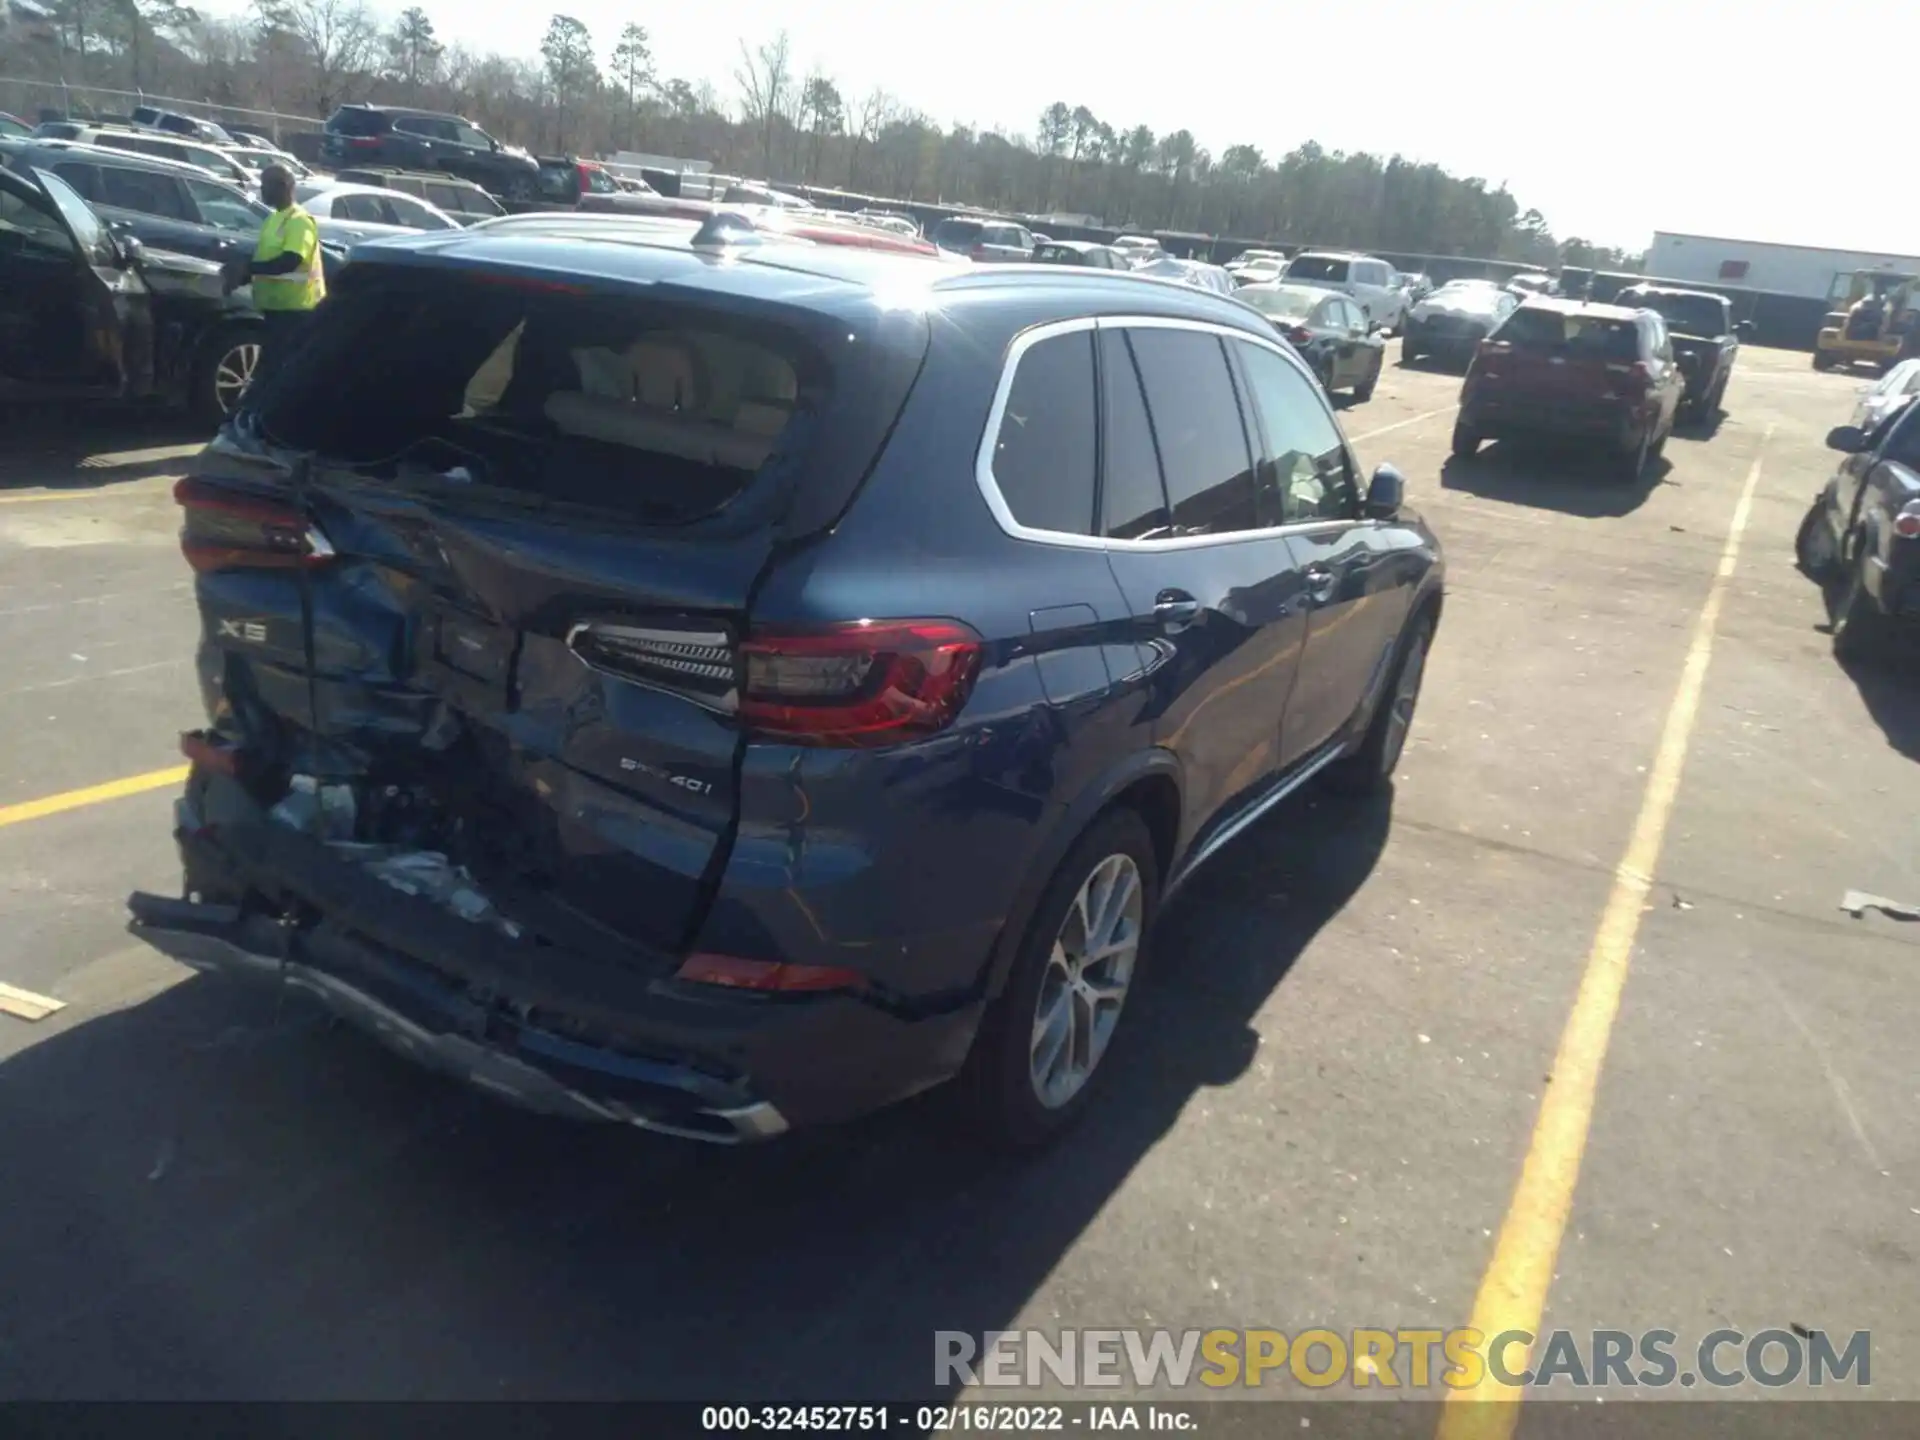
[661, 412]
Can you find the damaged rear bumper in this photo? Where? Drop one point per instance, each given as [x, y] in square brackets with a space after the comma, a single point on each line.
[553, 1030]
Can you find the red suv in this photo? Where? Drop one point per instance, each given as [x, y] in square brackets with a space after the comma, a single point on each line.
[1558, 367]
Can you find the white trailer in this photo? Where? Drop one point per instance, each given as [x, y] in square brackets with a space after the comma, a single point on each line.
[1805, 270]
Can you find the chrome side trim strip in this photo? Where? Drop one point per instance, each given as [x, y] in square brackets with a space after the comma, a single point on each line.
[1291, 784]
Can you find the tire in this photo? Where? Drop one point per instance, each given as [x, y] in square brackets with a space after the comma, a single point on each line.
[1363, 392]
[1369, 769]
[1017, 1102]
[1409, 350]
[1465, 442]
[1822, 362]
[1813, 550]
[1858, 629]
[1632, 463]
[228, 358]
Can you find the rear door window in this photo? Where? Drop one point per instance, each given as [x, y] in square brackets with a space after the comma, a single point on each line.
[1133, 503]
[85, 179]
[448, 197]
[143, 191]
[1197, 424]
[1308, 477]
[222, 208]
[405, 210]
[1043, 456]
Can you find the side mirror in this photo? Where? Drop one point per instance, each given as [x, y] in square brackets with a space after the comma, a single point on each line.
[130, 251]
[1847, 439]
[1385, 493]
[1744, 330]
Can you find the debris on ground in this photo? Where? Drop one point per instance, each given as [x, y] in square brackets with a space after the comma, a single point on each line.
[1857, 902]
[25, 1005]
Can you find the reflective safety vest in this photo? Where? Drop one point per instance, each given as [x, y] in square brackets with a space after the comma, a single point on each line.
[304, 286]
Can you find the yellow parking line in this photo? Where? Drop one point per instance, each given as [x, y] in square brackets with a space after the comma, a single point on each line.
[1513, 1292]
[91, 795]
[104, 492]
[1403, 424]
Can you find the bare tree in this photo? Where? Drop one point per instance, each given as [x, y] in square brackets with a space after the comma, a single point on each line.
[765, 76]
[876, 112]
[338, 38]
[822, 114]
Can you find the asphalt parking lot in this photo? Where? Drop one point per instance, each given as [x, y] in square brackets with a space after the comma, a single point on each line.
[1334, 1076]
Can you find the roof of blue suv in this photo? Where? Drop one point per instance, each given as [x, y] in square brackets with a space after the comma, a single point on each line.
[594, 250]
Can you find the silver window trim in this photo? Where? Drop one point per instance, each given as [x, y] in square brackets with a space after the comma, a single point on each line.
[1027, 339]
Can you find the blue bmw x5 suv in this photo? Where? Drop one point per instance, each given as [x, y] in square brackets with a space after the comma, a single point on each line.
[722, 683]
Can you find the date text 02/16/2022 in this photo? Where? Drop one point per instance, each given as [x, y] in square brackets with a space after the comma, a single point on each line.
[945, 1419]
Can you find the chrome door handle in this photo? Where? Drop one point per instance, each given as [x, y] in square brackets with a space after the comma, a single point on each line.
[1175, 610]
[1321, 583]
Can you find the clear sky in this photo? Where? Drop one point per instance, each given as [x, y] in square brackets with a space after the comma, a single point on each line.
[1614, 121]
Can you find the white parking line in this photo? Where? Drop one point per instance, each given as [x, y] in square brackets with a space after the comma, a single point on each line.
[1402, 424]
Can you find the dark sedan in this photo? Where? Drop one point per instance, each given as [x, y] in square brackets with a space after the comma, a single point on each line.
[1705, 340]
[1329, 331]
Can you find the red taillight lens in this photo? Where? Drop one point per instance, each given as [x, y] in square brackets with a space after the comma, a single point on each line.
[874, 682]
[1907, 523]
[226, 529]
[210, 752]
[1300, 335]
[766, 975]
[1637, 376]
[978, 252]
[362, 142]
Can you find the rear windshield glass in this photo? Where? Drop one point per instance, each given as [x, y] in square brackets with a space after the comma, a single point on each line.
[358, 122]
[559, 181]
[956, 232]
[1684, 314]
[1281, 304]
[1318, 267]
[660, 412]
[1060, 255]
[1593, 336]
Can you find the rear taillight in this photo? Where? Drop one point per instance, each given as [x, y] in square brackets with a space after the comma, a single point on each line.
[1907, 523]
[978, 252]
[224, 529]
[767, 976]
[1637, 376]
[1300, 335]
[873, 682]
[362, 142]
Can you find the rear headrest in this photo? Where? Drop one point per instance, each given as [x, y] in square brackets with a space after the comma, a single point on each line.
[621, 422]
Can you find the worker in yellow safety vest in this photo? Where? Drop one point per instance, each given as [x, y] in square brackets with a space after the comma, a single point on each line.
[285, 271]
